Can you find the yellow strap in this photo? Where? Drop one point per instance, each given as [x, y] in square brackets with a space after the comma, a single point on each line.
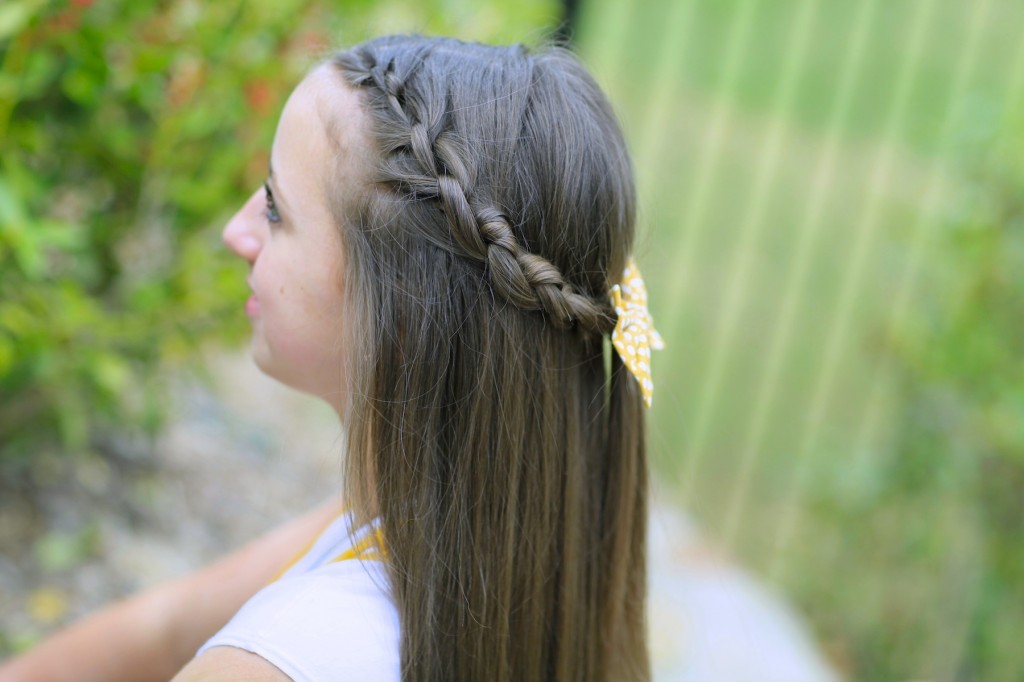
[370, 548]
[309, 545]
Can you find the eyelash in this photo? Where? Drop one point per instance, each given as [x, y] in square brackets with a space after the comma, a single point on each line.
[270, 213]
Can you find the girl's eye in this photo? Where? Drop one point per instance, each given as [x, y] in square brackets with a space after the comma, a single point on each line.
[270, 213]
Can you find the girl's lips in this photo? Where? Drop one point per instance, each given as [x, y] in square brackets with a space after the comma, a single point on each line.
[252, 306]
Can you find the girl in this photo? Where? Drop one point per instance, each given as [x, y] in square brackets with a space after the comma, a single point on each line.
[442, 253]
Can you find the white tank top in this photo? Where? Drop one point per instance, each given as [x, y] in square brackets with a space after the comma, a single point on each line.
[328, 617]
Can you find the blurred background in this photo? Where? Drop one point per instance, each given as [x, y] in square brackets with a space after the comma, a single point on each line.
[832, 197]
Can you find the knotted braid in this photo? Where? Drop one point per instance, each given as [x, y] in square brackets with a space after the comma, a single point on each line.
[477, 228]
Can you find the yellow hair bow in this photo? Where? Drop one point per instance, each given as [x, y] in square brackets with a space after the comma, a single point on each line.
[634, 335]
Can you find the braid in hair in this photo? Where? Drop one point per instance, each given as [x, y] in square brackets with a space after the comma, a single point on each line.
[426, 160]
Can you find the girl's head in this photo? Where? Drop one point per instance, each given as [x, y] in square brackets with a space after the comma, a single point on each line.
[452, 217]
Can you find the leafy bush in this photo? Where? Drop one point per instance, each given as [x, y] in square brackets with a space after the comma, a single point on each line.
[963, 425]
[926, 572]
[128, 131]
[126, 128]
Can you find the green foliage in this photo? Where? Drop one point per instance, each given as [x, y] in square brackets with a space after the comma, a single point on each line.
[128, 132]
[58, 551]
[962, 428]
[870, 467]
[926, 558]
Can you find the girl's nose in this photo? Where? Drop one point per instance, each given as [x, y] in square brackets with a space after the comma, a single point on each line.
[241, 233]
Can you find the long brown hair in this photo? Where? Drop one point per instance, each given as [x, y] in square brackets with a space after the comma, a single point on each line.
[491, 430]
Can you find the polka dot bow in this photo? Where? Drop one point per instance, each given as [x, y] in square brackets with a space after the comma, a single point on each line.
[634, 335]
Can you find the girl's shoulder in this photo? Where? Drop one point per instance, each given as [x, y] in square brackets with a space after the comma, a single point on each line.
[330, 614]
[230, 663]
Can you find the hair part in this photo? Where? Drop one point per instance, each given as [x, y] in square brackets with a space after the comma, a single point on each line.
[503, 456]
